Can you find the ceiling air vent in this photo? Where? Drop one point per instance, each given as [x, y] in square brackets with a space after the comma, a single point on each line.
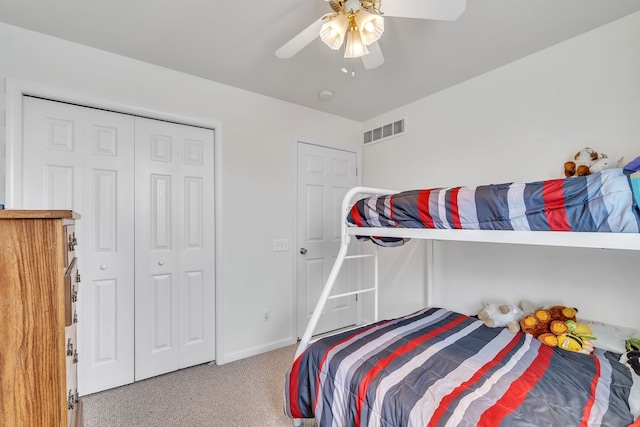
[384, 132]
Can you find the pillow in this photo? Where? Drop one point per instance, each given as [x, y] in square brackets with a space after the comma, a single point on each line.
[609, 337]
[633, 165]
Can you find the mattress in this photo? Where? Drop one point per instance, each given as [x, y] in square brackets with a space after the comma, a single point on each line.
[441, 368]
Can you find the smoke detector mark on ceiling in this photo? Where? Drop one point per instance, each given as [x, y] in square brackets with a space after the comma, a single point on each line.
[384, 132]
[325, 95]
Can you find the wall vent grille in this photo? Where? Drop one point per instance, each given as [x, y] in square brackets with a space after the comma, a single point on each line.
[384, 132]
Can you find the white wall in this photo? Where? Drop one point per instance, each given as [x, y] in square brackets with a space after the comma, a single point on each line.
[521, 122]
[257, 188]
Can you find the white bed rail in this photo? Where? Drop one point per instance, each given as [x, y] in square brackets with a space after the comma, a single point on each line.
[345, 239]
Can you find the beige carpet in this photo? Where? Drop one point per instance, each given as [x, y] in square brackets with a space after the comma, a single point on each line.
[247, 392]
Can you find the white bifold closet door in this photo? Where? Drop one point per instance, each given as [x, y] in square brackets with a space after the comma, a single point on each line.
[144, 189]
[174, 247]
[83, 159]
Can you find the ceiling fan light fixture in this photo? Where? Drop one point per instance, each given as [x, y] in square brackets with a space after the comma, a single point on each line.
[370, 26]
[355, 47]
[333, 32]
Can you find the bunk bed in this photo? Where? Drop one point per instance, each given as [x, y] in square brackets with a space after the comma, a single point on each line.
[439, 367]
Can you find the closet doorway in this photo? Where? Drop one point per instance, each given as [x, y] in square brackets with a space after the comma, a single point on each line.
[144, 189]
[324, 177]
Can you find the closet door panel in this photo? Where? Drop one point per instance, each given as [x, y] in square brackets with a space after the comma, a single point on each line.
[156, 301]
[196, 245]
[107, 292]
[82, 159]
[174, 202]
[52, 155]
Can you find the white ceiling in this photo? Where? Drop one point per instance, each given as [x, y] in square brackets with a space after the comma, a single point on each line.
[233, 42]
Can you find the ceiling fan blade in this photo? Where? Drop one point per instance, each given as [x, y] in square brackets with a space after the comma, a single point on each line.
[300, 41]
[375, 58]
[441, 10]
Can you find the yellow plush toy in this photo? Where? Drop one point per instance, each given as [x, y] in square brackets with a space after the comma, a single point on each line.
[577, 338]
[557, 327]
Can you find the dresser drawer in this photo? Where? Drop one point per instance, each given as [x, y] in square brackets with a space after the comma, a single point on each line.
[71, 243]
[71, 351]
[74, 407]
[71, 285]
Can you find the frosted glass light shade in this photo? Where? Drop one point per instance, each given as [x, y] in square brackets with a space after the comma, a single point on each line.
[370, 26]
[355, 48]
[333, 32]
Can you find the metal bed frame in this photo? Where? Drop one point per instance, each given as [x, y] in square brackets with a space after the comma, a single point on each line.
[624, 241]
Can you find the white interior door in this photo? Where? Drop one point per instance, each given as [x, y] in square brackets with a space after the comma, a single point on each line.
[324, 176]
[174, 300]
[82, 159]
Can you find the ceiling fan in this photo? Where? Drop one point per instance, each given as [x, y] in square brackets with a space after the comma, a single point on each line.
[358, 24]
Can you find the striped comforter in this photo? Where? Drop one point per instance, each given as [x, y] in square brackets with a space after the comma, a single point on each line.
[601, 202]
[440, 368]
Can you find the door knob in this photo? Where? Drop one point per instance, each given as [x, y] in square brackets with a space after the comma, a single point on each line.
[303, 251]
[161, 262]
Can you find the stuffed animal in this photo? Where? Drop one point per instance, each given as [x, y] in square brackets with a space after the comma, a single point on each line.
[556, 326]
[605, 163]
[632, 357]
[581, 163]
[588, 161]
[499, 316]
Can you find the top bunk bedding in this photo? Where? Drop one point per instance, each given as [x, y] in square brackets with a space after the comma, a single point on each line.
[605, 201]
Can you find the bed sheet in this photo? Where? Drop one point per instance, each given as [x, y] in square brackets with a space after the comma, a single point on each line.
[441, 368]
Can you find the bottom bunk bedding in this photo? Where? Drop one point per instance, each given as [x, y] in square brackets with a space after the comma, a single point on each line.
[441, 368]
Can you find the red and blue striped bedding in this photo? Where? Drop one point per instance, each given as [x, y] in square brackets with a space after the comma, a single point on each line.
[600, 202]
[440, 368]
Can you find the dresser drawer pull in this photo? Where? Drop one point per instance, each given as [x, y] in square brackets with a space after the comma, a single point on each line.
[75, 317]
[72, 241]
[71, 401]
[78, 277]
[75, 356]
[74, 294]
[69, 348]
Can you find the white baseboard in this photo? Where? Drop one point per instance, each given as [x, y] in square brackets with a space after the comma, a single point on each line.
[254, 351]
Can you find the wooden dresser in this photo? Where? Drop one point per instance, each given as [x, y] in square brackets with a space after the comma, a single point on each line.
[38, 286]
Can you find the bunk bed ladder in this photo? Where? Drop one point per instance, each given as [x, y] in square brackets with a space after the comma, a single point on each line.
[325, 296]
[345, 240]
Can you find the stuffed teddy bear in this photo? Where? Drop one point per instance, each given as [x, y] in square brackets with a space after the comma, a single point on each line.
[581, 163]
[556, 326]
[498, 316]
[588, 161]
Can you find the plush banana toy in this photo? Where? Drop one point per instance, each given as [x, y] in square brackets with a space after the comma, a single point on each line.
[575, 343]
[577, 338]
